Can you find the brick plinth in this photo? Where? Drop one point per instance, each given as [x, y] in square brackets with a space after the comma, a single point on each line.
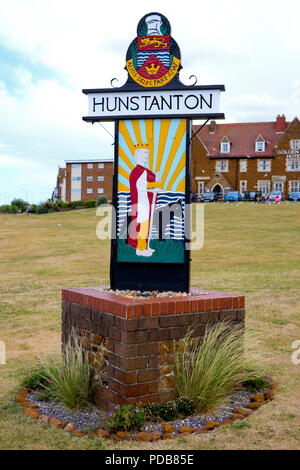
[137, 338]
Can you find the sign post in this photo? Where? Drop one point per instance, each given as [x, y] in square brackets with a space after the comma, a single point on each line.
[152, 112]
[151, 197]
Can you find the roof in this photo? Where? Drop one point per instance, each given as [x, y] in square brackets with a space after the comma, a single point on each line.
[242, 137]
[98, 160]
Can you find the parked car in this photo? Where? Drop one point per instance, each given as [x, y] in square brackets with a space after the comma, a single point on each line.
[294, 196]
[207, 197]
[246, 196]
[219, 196]
[273, 195]
[232, 196]
[252, 195]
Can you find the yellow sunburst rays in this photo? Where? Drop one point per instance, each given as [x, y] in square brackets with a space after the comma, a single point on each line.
[126, 135]
[123, 180]
[164, 130]
[174, 148]
[124, 173]
[179, 168]
[137, 131]
[131, 139]
[125, 158]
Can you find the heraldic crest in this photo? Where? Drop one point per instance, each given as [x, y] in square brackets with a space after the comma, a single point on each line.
[153, 57]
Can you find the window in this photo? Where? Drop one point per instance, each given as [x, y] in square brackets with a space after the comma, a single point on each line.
[295, 185]
[76, 165]
[264, 165]
[100, 190]
[222, 165]
[90, 166]
[295, 144]
[76, 178]
[278, 187]
[100, 165]
[263, 186]
[243, 166]
[200, 187]
[293, 164]
[243, 186]
[260, 146]
[89, 190]
[100, 178]
[225, 147]
[89, 178]
[76, 191]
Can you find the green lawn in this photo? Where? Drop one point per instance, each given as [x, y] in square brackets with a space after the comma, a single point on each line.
[249, 249]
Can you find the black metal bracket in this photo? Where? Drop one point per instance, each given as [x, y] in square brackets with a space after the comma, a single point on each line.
[196, 133]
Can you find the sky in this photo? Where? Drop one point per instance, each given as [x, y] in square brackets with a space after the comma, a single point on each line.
[51, 49]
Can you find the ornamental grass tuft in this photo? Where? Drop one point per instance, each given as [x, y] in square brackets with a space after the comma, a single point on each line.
[73, 383]
[209, 370]
[71, 380]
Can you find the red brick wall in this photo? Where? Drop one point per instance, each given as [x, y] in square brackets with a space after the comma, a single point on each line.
[141, 337]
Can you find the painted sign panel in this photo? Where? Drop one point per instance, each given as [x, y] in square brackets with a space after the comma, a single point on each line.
[195, 103]
[152, 111]
[153, 57]
[151, 190]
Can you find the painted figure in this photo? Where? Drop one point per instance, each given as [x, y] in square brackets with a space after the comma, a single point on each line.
[143, 194]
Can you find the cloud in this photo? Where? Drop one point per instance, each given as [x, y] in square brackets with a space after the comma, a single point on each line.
[50, 50]
[24, 178]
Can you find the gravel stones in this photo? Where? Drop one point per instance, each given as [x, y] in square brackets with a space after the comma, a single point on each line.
[91, 420]
[154, 294]
[84, 420]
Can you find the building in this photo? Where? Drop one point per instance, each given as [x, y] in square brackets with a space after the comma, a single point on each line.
[60, 188]
[83, 180]
[255, 156]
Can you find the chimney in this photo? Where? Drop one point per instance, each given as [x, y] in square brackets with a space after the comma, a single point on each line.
[212, 127]
[280, 123]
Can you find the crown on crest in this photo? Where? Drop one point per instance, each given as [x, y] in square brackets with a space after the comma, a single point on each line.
[141, 146]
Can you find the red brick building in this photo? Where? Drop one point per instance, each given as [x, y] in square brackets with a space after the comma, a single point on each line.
[84, 180]
[254, 156]
[251, 156]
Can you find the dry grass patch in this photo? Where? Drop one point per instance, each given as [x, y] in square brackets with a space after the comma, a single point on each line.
[249, 249]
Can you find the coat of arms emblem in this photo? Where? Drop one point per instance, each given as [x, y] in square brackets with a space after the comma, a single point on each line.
[153, 57]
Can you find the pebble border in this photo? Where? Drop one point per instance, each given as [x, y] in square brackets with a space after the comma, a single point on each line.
[256, 400]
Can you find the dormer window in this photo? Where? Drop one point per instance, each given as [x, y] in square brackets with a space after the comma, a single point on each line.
[225, 145]
[260, 144]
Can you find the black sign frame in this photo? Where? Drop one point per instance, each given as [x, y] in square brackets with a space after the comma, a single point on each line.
[148, 276]
[151, 276]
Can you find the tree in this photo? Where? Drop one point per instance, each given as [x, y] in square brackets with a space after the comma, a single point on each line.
[20, 204]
